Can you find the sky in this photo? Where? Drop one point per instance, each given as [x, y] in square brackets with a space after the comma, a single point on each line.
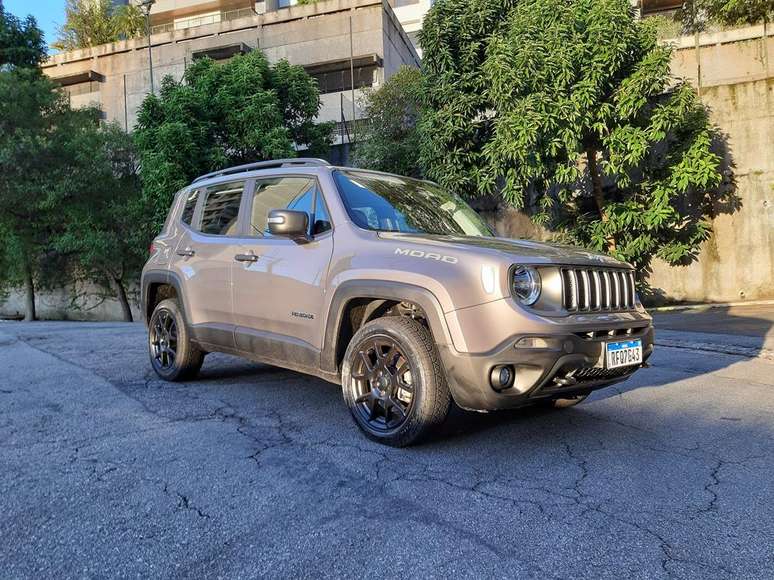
[48, 13]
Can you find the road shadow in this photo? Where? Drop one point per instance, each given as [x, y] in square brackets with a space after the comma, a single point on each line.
[721, 334]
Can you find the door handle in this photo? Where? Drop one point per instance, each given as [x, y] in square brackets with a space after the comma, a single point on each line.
[188, 252]
[246, 257]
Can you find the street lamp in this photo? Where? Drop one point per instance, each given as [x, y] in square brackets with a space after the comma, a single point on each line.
[146, 6]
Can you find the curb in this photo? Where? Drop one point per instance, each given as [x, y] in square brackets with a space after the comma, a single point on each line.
[709, 306]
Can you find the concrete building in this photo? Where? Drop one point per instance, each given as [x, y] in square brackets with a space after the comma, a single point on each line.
[328, 38]
[411, 14]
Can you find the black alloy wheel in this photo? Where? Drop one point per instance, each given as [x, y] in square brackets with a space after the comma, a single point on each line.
[173, 355]
[163, 339]
[384, 384]
[393, 382]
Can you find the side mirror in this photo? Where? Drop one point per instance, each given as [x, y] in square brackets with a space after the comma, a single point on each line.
[289, 223]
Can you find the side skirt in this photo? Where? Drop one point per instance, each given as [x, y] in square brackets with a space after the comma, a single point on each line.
[272, 349]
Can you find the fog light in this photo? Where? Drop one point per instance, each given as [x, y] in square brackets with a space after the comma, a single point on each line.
[539, 342]
[501, 377]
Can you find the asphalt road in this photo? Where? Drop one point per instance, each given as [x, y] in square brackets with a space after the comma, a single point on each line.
[256, 471]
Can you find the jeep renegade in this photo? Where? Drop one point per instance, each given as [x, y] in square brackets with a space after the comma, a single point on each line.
[389, 286]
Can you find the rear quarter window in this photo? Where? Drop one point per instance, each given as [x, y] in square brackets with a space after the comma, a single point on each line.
[190, 205]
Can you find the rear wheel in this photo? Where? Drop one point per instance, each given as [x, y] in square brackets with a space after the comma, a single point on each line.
[172, 354]
[393, 381]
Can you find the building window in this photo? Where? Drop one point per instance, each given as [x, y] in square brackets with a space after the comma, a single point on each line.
[337, 81]
[81, 88]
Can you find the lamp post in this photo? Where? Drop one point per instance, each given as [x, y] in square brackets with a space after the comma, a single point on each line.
[146, 6]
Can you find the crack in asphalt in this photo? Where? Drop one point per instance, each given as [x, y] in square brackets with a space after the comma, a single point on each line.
[184, 502]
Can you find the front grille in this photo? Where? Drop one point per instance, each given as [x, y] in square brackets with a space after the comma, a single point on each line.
[597, 289]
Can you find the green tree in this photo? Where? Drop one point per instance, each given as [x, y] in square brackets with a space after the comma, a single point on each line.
[98, 232]
[568, 108]
[94, 22]
[696, 13]
[223, 114]
[36, 129]
[21, 42]
[391, 140]
[21, 50]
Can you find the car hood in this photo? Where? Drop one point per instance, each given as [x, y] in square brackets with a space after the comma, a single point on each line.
[526, 251]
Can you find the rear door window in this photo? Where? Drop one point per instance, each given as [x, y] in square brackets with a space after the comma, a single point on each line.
[220, 214]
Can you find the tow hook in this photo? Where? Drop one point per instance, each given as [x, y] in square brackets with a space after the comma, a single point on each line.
[567, 380]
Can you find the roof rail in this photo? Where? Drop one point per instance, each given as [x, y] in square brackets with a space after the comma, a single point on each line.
[309, 161]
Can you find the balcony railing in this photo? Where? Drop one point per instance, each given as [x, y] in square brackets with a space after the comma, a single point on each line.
[351, 130]
[195, 21]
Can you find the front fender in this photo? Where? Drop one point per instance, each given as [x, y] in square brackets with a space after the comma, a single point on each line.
[385, 290]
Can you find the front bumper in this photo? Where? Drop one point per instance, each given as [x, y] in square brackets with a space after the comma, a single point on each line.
[569, 364]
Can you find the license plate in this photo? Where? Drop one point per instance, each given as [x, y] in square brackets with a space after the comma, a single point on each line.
[623, 354]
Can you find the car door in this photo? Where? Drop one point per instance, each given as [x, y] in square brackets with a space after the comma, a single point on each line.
[203, 261]
[278, 283]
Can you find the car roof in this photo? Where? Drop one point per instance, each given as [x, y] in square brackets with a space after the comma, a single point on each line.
[262, 165]
[301, 165]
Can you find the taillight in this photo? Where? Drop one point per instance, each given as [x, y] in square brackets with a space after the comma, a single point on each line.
[152, 249]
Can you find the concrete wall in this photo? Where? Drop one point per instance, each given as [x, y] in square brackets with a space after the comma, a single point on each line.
[58, 305]
[737, 263]
[411, 14]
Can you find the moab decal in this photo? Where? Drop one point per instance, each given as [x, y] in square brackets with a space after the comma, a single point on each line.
[426, 255]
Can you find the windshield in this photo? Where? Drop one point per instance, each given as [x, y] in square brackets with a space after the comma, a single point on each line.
[389, 203]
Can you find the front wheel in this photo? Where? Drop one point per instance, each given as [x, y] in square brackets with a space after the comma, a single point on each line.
[173, 355]
[393, 381]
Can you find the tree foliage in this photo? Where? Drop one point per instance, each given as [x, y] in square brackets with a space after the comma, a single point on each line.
[21, 41]
[391, 141]
[65, 181]
[568, 109]
[93, 22]
[696, 14]
[224, 114]
[98, 233]
[36, 129]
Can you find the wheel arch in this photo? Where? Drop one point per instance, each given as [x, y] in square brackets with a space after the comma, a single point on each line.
[375, 297]
[157, 286]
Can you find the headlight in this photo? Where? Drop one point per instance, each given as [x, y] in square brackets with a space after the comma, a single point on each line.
[526, 284]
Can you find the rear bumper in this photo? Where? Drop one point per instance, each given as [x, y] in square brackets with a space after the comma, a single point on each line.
[569, 365]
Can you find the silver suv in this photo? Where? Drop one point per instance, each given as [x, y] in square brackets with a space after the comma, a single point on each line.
[389, 286]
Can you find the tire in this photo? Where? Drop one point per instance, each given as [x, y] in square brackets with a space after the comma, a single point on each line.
[172, 354]
[565, 403]
[404, 398]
